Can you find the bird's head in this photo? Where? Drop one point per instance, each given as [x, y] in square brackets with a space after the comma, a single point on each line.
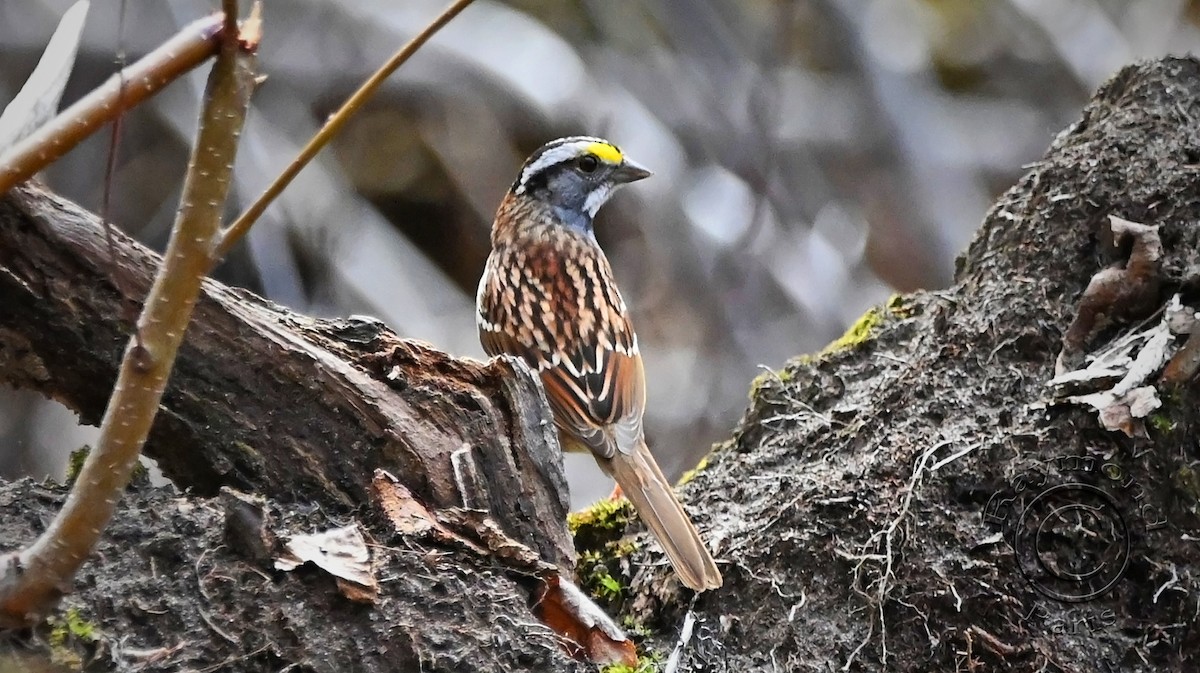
[575, 176]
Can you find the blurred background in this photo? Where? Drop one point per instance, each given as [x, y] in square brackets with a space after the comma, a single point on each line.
[811, 157]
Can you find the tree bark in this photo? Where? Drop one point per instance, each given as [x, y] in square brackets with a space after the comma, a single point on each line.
[269, 401]
[871, 511]
[303, 412]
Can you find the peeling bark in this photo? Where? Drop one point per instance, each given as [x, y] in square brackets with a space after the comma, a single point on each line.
[269, 401]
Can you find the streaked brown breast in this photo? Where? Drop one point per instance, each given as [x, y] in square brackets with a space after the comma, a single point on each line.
[547, 296]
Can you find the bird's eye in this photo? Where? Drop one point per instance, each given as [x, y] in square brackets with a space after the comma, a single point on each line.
[588, 163]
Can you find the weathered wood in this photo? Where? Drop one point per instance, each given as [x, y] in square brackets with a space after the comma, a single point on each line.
[269, 401]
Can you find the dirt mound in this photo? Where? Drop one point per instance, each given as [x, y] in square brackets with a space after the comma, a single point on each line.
[907, 501]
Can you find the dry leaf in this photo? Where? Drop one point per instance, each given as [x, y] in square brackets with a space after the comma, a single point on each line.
[567, 610]
[587, 631]
[1122, 412]
[341, 552]
[1114, 384]
[408, 516]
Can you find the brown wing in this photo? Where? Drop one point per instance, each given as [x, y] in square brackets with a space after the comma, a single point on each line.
[556, 307]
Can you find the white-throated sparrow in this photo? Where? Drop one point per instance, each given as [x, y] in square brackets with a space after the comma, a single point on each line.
[547, 295]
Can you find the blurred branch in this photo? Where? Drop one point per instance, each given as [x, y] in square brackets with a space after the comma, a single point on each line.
[332, 126]
[38, 99]
[190, 47]
[32, 580]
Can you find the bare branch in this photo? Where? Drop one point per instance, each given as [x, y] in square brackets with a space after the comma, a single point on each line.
[332, 126]
[189, 48]
[32, 580]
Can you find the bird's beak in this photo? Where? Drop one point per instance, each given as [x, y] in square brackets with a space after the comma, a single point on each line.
[630, 171]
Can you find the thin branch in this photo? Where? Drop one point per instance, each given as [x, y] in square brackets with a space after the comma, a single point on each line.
[114, 137]
[32, 580]
[333, 125]
[189, 48]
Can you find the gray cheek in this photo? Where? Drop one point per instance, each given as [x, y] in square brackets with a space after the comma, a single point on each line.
[574, 218]
[569, 190]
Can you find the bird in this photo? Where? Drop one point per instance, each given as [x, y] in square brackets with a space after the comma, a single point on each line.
[547, 296]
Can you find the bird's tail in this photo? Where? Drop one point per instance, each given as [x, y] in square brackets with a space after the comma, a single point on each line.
[644, 484]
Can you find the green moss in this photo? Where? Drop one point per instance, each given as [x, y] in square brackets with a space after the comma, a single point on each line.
[596, 571]
[75, 462]
[69, 634]
[1187, 481]
[599, 538]
[77, 458]
[651, 663]
[600, 524]
[899, 306]
[606, 586]
[73, 625]
[857, 334]
[766, 378]
[691, 474]
[596, 580]
[621, 548]
[635, 629]
[864, 329]
[1162, 423]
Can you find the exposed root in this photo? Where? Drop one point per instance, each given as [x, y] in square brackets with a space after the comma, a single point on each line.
[884, 583]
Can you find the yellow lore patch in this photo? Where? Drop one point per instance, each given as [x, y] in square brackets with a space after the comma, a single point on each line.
[606, 152]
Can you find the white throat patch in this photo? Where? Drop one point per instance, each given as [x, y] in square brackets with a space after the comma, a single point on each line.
[597, 198]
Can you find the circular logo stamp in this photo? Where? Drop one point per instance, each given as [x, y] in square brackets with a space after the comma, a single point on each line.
[1072, 542]
[1072, 522]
